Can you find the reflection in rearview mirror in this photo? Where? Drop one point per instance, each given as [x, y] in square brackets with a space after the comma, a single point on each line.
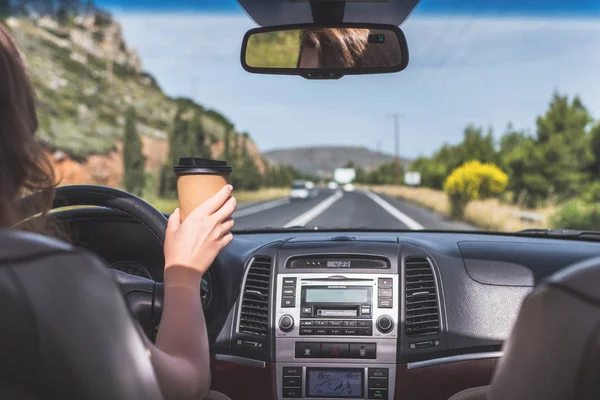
[325, 48]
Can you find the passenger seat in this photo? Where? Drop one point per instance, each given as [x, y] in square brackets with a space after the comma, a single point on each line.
[553, 352]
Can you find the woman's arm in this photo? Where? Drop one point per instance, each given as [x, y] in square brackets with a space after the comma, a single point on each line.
[181, 356]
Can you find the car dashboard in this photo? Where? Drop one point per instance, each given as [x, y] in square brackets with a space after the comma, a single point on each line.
[353, 315]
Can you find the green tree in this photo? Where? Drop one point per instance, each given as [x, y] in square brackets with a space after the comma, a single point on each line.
[433, 172]
[251, 177]
[198, 137]
[227, 143]
[133, 158]
[178, 147]
[595, 150]
[561, 156]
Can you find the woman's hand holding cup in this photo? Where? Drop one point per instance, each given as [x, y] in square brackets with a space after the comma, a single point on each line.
[195, 243]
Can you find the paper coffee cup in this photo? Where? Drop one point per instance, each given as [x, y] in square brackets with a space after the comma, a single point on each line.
[198, 179]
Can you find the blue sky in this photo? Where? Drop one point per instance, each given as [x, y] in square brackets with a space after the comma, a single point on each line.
[487, 64]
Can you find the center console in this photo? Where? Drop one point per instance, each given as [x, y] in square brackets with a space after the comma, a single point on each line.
[336, 330]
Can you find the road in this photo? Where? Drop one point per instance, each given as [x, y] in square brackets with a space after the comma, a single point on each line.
[342, 210]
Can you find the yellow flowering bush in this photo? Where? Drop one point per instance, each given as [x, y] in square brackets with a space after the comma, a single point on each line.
[471, 181]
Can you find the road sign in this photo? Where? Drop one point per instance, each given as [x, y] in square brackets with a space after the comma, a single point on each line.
[412, 178]
[344, 175]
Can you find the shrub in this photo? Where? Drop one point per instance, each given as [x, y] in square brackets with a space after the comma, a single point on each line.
[577, 214]
[472, 181]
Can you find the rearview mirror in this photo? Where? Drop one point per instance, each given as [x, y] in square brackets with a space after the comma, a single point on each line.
[325, 51]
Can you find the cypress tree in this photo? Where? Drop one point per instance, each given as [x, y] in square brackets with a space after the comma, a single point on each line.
[133, 158]
[177, 148]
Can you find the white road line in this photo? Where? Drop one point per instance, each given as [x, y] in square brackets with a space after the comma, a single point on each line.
[260, 207]
[314, 212]
[400, 216]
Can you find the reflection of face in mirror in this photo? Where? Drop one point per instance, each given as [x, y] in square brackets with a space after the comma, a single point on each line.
[348, 48]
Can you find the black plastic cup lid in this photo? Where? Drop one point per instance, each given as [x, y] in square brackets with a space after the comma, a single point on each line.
[196, 166]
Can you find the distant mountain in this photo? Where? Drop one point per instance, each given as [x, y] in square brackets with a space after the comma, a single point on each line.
[322, 160]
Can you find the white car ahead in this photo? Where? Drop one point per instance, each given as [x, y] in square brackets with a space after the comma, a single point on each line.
[299, 191]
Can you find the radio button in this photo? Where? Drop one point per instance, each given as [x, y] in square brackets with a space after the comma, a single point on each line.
[378, 372]
[292, 393]
[385, 282]
[292, 371]
[365, 324]
[385, 293]
[286, 323]
[292, 381]
[385, 324]
[365, 310]
[290, 281]
[378, 383]
[288, 302]
[350, 323]
[335, 350]
[365, 331]
[336, 323]
[335, 331]
[307, 311]
[307, 323]
[321, 331]
[351, 332]
[378, 394]
[385, 303]
[307, 331]
[308, 350]
[321, 323]
[363, 350]
[289, 291]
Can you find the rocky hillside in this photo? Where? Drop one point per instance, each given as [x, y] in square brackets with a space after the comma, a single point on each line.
[322, 160]
[85, 77]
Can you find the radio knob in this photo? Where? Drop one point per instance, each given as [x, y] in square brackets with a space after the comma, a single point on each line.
[385, 324]
[286, 323]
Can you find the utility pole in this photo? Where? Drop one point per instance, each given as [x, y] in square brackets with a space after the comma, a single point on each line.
[396, 117]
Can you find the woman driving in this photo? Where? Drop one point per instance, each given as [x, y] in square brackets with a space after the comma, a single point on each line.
[181, 354]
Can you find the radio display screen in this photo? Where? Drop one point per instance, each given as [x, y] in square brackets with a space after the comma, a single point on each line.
[346, 295]
[338, 264]
[333, 383]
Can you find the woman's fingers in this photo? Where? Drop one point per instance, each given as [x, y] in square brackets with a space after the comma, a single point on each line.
[227, 210]
[226, 226]
[174, 221]
[213, 204]
[225, 240]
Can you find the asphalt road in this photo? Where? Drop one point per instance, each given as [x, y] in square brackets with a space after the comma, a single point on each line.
[342, 210]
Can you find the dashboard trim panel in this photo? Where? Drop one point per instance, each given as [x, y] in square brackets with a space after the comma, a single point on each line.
[240, 360]
[452, 359]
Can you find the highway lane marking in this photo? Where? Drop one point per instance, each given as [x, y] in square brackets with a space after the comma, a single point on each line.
[400, 216]
[314, 212]
[260, 207]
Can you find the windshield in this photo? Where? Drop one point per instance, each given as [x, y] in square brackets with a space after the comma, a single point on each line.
[492, 126]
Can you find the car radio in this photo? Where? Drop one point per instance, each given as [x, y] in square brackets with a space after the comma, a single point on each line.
[337, 305]
[336, 330]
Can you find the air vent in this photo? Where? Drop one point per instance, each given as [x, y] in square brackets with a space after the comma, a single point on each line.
[254, 316]
[421, 306]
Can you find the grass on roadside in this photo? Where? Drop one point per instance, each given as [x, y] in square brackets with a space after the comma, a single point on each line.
[490, 214]
[242, 196]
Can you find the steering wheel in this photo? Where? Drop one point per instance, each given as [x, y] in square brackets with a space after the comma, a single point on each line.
[144, 296]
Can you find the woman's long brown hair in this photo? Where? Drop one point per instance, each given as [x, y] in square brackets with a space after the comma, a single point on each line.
[24, 166]
[347, 48]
